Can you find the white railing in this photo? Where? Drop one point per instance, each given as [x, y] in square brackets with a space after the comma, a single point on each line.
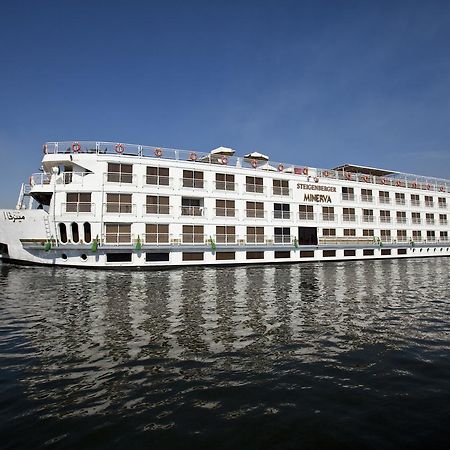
[255, 188]
[255, 238]
[157, 210]
[255, 213]
[118, 208]
[156, 238]
[400, 201]
[328, 217]
[429, 204]
[283, 215]
[442, 204]
[351, 240]
[225, 212]
[281, 191]
[120, 178]
[39, 179]
[443, 222]
[367, 198]
[385, 219]
[430, 221]
[192, 211]
[402, 220]
[415, 202]
[384, 200]
[158, 181]
[348, 197]
[117, 238]
[224, 186]
[308, 216]
[282, 239]
[416, 220]
[78, 208]
[193, 183]
[349, 217]
[368, 219]
[124, 150]
[194, 238]
[225, 238]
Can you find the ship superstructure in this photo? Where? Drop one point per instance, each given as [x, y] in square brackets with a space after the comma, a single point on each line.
[97, 204]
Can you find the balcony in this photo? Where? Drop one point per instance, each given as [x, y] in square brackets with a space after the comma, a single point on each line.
[328, 217]
[282, 191]
[158, 181]
[281, 215]
[117, 238]
[402, 220]
[192, 211]
[193, 183]
[119, 208]
[225, 212]
[158, 210]
[282, 239]
[368, 219]
[384, 200]
[430, 221]
[194, 238]
[255, 213]
[348, 197]
[78, 208]
[348, 217]
[255, 188]
[224, 186]
[306, 216]
[429, 204]
[385, 219]
[120, 178]
[367, 198]
[225, 239]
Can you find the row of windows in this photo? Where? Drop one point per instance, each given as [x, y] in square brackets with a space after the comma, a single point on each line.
[123, 173]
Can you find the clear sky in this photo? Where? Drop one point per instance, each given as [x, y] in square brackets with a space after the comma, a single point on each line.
[311, 82]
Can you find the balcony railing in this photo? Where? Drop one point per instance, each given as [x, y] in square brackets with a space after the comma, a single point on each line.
[119, 208]
[402, 239]
[384, 200]
[385, 219]
[39, 179]
[78, 207]
[443, 222]
[328, 217]
[430, 221]
[400, 201]
[415, 202]
[367, 198]
[281, 214]
[255, 213]
[225, 212]
[350, 240]
[225, 238]
[368, 219]
[157, 209]
[282, 239]
[442, 205]
[349, 217]
[117, 238]
[120, 178]
[194, 238]
[255, 238]
[255, 188]
[156, 238]
[159, 181]
[429, 204]
[193, 211]
[193, 183]
[416, 220]
[282, 191]
[401, 220]
[348, 197]
[306, 216]
[224, 186]
[386, 239]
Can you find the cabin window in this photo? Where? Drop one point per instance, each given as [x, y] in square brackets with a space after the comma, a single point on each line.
[254, 184]
[255, 209]
[415, 200]
[87, 232]
[158, 176]
[329, 253]
[385, 251]
[225, 208]
[368, 252]
[368, 233]
[255, 255]
[429, 201]
[442, 202]
[329, 232]
[349, 232]
[75, 233]
[349, 252]
[120, 173]
[225, 182]
[385, 216]
[255, 235]
[193, 234]
[307, 254]
[385, 235]
[400, 198]
[280, 187]
[157, 257]
[225, 235]
[78, 202]
[417, 235]
[431, 235]
[366, 195]
[328, 213]
[415, 217]
[62, 233]
[281, 211]
[401, 235]
[282, 235]
[225, 256]
[157, 204]
[282, 254]
[348, 193]
[384, 197]
[156, 233]
[444, 235]
[193, 179]
[306, 212]
[192, 256]
[118, 233]
[401, 251]
[429, 217]
[348, 215]
[118, 257]
[119, 203]
[367, 215]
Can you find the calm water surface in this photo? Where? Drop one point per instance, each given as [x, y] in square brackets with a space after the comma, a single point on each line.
[334, 355]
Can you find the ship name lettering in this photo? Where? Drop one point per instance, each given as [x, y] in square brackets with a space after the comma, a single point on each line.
[316, 187]
[321, 198]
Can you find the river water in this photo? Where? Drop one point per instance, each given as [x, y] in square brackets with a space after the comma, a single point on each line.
[313, 356]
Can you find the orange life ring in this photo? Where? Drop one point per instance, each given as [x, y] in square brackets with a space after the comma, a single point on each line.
[348, 175]
[280, 167]
[30, 180]
[326, 173]
[254, 163]
[428, 187]
[76, 147]
[158, 152]
[365, 178]
[383, 181]
[193, 156]
[414, 185]
[119, 148]
[442, 189]
[45, 149]
[224, 160]
[398, 183]
[305, 171]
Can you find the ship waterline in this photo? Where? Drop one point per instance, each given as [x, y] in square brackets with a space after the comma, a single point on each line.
[98, 204]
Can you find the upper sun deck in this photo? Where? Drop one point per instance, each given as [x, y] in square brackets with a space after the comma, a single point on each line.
[254, 162]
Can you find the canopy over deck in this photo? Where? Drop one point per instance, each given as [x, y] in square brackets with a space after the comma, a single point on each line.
[365, 170]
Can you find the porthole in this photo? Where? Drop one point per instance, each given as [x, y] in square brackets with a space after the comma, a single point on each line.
[83, 257]
[64, 256]
[75, 233]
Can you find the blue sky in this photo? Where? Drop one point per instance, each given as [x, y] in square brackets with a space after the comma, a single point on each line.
[312, 82]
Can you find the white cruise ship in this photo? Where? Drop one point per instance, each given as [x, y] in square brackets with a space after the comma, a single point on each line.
[98, 204]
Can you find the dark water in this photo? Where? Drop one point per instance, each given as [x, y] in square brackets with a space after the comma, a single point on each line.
[335, 355]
